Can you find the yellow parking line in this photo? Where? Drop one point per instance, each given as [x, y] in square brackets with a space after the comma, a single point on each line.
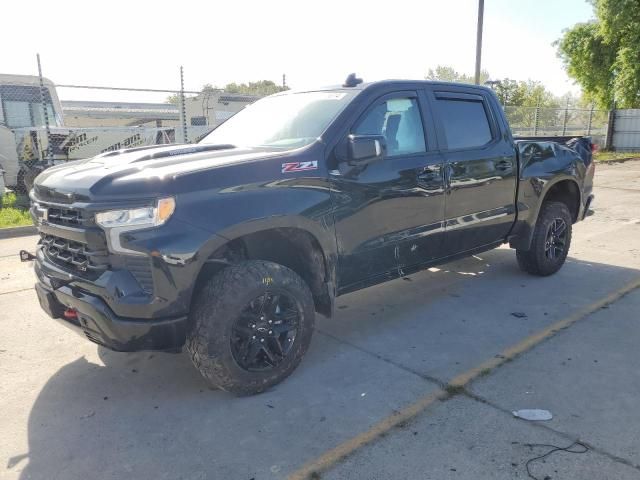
[333, 456]
[336, 454]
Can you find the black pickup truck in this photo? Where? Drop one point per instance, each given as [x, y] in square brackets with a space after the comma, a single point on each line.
[229, 247]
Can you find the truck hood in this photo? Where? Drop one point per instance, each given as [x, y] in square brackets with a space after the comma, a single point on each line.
[138, 172]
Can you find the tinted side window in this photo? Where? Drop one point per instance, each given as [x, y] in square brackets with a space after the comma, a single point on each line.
[398, 119]
[465, 123]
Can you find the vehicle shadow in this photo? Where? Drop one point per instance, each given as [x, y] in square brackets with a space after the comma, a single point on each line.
[151, 415]
[443, 322]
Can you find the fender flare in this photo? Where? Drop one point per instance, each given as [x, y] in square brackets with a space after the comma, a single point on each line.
[522, 237]
[550, 184]
[323, 235]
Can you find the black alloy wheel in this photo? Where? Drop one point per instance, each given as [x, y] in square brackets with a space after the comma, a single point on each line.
[265, 332]
[550, 241]
[250, 326]
[556, 239]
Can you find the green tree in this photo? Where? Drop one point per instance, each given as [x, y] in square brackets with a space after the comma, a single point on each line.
[533, 93]
[510, 92]
[208, 88]
[603, 55]
[520, 99]
[174, 99]
[261, 88]
[445, 73]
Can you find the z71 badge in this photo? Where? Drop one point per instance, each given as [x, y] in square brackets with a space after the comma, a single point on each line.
[299, 166]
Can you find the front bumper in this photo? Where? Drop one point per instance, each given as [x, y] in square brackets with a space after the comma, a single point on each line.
[124, 302]
[99, 324]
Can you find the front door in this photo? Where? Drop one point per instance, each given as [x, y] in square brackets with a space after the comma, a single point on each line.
[389, 213]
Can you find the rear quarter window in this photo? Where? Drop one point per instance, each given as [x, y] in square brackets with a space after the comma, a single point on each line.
[465, 122]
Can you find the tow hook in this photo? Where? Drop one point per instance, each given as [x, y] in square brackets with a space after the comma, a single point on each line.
[70, 314]
[26, 256]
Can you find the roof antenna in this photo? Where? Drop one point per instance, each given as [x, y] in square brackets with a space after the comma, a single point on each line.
[352, 81]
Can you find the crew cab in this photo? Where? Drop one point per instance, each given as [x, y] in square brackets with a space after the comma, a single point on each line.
[230, 247]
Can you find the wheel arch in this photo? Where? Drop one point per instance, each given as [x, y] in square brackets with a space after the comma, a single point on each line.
[563, 188]
[306, 249]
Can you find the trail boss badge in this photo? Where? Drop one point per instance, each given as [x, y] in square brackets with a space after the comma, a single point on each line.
[299, 166]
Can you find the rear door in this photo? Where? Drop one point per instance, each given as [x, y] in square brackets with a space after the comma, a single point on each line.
[390, 213]
[481, 169]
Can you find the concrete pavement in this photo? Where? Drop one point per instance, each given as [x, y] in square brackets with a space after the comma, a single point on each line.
[72, 410]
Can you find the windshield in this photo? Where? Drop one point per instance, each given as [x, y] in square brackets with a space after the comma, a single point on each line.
[286, 121]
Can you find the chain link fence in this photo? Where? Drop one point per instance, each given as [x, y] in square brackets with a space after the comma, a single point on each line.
[548, 122]
[43, 123]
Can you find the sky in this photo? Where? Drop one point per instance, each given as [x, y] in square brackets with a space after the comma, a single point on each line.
[142, 43]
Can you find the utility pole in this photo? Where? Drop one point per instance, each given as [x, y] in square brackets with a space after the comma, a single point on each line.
[284, 80]
[479, 40]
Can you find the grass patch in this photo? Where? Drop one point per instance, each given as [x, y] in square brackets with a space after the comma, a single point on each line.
[13, 212]
[603, 156]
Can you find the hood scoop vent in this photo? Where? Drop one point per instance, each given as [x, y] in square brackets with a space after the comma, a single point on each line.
[183, 151]
[127, 150]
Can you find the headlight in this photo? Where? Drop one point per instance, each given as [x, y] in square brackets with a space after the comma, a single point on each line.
[142, 217]
[115, 222]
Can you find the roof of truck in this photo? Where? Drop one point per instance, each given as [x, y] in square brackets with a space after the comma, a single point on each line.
[390, 82]
[400, 82]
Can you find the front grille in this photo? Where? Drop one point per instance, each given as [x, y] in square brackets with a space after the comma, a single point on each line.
[65, 216]
[75, 255]
[71, 240]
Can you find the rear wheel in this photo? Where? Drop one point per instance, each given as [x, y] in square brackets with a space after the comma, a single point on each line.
[251, 325]
[551, 241]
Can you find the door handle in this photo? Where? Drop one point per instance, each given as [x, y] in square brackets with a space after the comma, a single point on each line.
[504, 165]
[430, 172]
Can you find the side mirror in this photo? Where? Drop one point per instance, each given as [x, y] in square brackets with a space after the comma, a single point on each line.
[366, 148]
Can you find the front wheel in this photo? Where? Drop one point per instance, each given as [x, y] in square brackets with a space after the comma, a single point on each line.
[251, 324]
[551, 241]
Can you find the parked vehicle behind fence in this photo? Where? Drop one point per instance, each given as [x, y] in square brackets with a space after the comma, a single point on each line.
[33, 135]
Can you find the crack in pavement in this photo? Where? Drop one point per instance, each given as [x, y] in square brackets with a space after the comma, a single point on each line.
[17, 291]
[632, 190]
[440, 383]
[474, 396]
[462, 390]
[453, 387]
